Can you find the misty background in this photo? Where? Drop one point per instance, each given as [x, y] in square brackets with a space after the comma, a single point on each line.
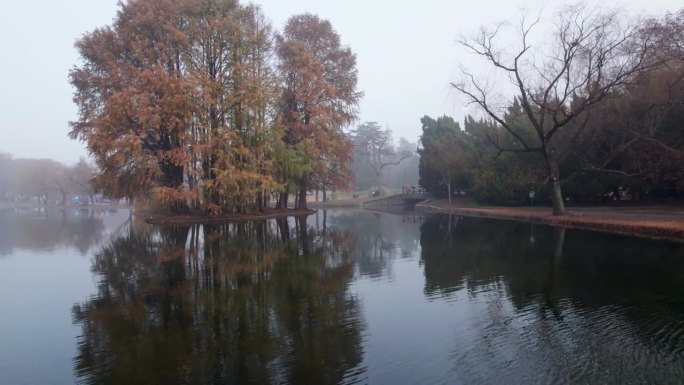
[407, 53]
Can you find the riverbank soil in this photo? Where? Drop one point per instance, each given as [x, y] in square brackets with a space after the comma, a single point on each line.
[653, 221]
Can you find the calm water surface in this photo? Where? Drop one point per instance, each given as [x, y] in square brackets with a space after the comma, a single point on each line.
[99, 297]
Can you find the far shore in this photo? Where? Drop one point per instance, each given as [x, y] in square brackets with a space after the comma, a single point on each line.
[25, 205]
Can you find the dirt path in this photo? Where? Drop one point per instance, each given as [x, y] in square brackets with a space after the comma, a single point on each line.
[648, 221]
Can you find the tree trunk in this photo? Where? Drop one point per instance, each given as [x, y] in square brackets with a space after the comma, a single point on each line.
[554, 174]
[449, 191]
[179, 207]
[325, 196]
[258, 202]
[557, 198]
[282, 200]
[302, 195]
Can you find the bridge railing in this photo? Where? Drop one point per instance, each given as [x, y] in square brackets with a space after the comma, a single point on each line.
[413, 189]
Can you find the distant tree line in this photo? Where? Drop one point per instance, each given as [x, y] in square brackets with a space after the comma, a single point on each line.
[598, 116]
[202, 106]
[378, 162]
[45, 181]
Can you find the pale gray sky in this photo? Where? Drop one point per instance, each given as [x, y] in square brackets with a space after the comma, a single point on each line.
[406, 56]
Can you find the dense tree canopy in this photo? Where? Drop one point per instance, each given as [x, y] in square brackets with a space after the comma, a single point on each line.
[319, 98]
[446, 155]
[602, 119]
[191, 103]
[588, 57]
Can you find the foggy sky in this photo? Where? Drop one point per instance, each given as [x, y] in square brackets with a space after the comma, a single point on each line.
[406, 56]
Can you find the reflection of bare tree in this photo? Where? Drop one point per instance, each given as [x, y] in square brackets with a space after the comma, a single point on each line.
[49, 228]
[459, 251]
[373, 253]
[256, 302]
[485, 251]
[546, 309]
[550, 296]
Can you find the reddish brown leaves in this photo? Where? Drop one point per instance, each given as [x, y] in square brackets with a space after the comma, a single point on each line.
[179, 99]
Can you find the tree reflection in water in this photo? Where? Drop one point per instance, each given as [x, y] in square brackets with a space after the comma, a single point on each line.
[595, 269]
[548, 304]
[380, 238]
[257, 302]
[48, 228]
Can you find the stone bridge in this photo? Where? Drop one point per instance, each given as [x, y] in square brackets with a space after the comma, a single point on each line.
[398, 200]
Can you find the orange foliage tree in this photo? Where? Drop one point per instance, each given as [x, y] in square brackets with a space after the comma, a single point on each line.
[134, 104]
[179, 101]
[319, 98]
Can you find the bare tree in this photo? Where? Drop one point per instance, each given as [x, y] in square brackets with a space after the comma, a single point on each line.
[590, 55]
[375, 149]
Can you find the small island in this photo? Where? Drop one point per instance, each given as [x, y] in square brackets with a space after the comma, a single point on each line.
[213, 125]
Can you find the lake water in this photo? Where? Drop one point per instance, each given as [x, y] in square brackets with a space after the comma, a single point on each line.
[99, 297]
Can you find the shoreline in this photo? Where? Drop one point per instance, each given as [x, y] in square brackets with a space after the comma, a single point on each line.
[175, 220]
[649, 222]
[653, 221]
